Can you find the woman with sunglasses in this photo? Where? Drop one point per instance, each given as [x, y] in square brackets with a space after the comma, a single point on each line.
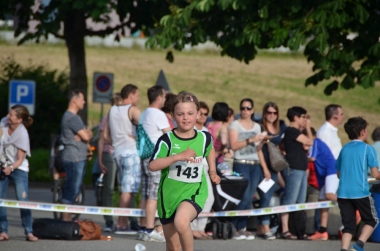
[275, 131]
[244, 135]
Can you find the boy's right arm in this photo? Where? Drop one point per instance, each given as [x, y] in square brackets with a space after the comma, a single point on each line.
[162, 163]
[375, 173]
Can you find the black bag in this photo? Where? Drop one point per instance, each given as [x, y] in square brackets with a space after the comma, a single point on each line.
[297, 224]
[56, 229]
[229, 192]
[276, 158]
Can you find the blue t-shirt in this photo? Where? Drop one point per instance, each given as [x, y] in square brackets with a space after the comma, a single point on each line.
[353, 162]
[324, 161]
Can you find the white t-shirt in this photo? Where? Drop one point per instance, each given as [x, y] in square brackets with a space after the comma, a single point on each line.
[329, 134]
[154, 121]
[10, 151]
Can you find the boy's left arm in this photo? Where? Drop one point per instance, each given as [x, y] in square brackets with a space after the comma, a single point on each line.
[212, 169]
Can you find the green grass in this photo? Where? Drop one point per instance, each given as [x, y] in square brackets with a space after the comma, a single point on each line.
[272, 76]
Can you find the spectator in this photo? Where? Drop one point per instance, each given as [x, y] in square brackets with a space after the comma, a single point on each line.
[167, 109]
[198, 225]
[14, 147]
[202, 116]
[295, 176]
[328, 132]
[122, 121]
[242, 134]
[219, 129]
[353, 162]
[75, 137]
[376, 141]
[324, 163]
[155, 125]
[107, 166]
[275, 131]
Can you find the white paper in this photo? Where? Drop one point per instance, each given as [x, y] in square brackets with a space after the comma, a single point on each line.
[265, 185]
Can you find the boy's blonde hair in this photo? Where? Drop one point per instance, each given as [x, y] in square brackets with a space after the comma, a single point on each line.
[183, 97]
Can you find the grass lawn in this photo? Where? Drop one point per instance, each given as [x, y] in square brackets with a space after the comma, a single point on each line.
[270, 77]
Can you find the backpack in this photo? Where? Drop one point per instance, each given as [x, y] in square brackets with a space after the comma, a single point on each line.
[58, 163]
[56, 229]
[144, 145]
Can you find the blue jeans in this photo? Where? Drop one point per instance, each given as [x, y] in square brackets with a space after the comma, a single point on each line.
[20, 180]
[74, 178]
[265, 199]
[295, 186]
[254, 175]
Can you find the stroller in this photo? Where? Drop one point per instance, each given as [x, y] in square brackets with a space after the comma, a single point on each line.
[227, 196]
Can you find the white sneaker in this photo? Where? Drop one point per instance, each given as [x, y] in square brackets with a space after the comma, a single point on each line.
[240, 235]
[155, 236]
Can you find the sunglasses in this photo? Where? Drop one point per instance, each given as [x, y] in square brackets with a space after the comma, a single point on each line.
[248, 108]
[274, 113]
[204, 114]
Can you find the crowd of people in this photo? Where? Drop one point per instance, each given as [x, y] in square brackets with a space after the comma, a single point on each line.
[176, 179]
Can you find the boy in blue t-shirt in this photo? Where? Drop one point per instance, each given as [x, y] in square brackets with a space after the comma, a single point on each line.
[353, 192]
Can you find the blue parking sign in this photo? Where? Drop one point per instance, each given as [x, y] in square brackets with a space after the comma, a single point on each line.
[22, 92]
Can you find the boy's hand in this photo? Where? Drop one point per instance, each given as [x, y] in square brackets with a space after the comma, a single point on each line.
[214, 177]
[186, 155]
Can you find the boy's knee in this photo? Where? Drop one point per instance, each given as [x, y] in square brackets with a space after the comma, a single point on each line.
[173, 246]
[181, 224]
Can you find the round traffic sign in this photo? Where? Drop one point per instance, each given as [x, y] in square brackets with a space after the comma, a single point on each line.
[103, 83]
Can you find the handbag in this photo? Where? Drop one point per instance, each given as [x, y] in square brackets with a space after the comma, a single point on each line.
[89, 230]
[276, 158]
[144, 145]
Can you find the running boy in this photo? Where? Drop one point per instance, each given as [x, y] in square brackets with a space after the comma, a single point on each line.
[353, 192]
[182, 190]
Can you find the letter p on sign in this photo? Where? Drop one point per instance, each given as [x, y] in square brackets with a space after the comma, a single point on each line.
[22, 92]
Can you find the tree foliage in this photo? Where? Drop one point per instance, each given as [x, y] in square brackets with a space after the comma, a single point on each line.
[68, 20]
[341, 37]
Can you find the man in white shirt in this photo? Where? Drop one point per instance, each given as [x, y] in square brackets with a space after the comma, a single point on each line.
[122, 121]
[155, 124]
[328, 132]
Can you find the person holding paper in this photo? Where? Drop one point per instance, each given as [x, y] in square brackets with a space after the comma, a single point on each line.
[275, 130]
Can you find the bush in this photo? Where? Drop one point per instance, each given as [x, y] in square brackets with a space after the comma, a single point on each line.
[51, 102]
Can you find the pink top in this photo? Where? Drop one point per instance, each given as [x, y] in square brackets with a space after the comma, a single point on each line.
[216, 142]
[107, 148]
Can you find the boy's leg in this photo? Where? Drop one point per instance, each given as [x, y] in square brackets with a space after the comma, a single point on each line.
[172, 238]
[369, 216]
[186, 212]
[348, 214]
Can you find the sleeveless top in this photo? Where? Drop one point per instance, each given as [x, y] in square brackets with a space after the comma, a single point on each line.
[123, 132]
[216, 142]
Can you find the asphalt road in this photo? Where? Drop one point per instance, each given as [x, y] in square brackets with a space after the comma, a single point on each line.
[127, 243]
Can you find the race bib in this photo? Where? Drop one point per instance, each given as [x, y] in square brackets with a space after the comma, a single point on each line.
[188, 172]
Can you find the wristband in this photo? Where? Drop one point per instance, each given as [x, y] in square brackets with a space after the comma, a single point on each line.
[247, 141]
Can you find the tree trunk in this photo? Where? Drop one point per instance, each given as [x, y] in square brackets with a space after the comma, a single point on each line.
[74, 32]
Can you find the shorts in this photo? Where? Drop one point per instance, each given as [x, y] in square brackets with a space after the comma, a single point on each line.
[171, 218]
[129, 173]
[331, 186]
[366, 208]
[149, 181]
[74, 179]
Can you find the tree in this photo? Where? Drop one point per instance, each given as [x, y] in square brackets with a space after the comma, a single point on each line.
[67, 19]
[341, 37]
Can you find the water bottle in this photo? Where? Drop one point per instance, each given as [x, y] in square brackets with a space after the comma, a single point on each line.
[140, 247]
[224, 168]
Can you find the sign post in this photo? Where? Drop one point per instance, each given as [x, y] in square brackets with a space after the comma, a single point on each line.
[22, 92]
[102, 89]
